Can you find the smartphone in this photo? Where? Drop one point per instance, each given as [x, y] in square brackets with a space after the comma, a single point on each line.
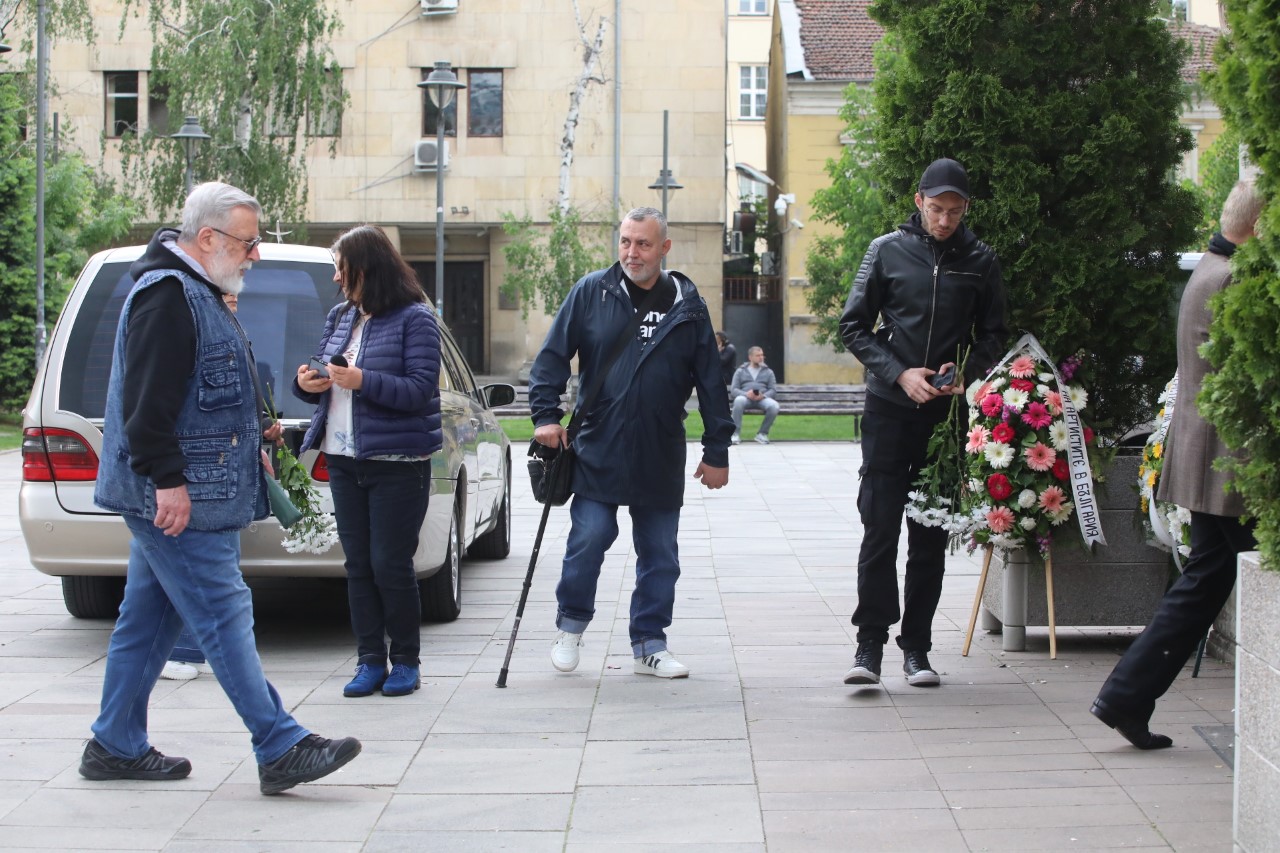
[940, 380]
[319, 367]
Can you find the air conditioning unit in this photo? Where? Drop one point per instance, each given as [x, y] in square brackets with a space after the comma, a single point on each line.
[439, 7]
[768, 263]
[427, 159]
[735, 242]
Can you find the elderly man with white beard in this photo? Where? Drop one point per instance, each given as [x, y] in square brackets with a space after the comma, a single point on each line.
[182, 463]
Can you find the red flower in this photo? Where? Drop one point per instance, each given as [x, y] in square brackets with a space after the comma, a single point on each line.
[1022, 384]
[999, 487]
[1002, 433]
[1037, 416]
[1060, 469]
[992, 405]
[1088, 436]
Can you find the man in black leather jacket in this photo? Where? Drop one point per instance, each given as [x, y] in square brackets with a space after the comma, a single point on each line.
[924, 294]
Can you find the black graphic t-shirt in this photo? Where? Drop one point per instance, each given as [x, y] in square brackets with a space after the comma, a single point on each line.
[665, 299]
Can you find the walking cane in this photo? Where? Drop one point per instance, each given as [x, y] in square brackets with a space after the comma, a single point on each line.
[524, 594]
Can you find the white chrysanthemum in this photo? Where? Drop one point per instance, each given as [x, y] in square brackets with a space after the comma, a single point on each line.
[1079, 397]
[1045, 377]
[1006, 541]
[1042, 391]
[997, 383]
[998, 454]
[917, 497]
[1061, 515]
[1027, 522]
[1017, 399]
[1027, 498]
[1059, 435]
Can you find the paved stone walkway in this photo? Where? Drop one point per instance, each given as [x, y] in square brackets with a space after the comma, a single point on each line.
[762, 749]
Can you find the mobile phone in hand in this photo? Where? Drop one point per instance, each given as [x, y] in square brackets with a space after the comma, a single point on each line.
[941, 380]
[319, 367]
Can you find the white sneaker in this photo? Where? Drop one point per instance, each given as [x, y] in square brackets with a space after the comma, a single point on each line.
[735, 439]
[203, 668]
[175, 670]
[564, 651]
[662, 664]
[761, 438]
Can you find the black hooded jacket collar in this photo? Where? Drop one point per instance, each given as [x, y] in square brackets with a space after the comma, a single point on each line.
[962, 237]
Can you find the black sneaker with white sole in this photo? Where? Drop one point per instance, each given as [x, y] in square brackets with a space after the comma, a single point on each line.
[866, 664]
[919, 672]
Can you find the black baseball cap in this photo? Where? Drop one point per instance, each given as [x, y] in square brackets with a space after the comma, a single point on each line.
[944, 176]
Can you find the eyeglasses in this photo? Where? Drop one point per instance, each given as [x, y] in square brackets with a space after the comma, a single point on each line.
[249, 245]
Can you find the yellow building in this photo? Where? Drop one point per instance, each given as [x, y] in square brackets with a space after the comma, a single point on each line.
[525, 58]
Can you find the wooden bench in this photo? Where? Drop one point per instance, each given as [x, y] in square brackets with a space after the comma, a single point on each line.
[794, 400]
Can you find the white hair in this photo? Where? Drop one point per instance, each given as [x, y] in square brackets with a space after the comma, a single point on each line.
[643, 214]
[210, 205]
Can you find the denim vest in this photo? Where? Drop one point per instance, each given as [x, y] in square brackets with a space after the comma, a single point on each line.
[217, 427]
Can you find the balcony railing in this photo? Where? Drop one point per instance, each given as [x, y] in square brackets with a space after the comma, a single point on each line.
[753, 288]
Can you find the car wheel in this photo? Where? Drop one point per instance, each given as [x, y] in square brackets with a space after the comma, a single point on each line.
[496, 544]
[93, 597]
[442, 592]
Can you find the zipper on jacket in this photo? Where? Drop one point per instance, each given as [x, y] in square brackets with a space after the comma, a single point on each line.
[933, 309]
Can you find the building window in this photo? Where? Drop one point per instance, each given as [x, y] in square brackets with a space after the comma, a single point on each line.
[752, 7]
[484, 103]
[158, 108]
[753, 85]
[122, 102]
[431, 115]
[325, 118]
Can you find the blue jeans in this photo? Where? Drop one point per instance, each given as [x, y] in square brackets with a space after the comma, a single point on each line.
[193, 578]
[594, 529]
[380, 507]
[187, 650]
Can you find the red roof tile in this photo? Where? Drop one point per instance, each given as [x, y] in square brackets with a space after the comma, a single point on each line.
[838, 38]
[1202, 40]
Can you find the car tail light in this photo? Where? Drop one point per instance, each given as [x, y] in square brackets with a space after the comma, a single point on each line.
[51, 455]
[320, 470]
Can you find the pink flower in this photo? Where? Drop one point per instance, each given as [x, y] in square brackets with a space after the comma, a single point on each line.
[1000, 519]
[977, 439]
[992, 404]
[1002, 433]
[1053, 400]
[1023, 367]
[1040, 457]
[999, 487]
[1037, 416]
[1052, 499]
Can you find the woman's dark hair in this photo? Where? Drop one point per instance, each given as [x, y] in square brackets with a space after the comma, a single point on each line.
[376, 277]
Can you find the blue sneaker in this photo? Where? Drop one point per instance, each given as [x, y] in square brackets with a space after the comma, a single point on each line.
[368, 679]
[402, 681]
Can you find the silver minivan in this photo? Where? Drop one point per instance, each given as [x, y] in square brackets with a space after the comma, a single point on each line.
[282, 308]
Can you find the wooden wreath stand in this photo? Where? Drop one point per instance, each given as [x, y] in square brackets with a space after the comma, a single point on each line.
[982, 583]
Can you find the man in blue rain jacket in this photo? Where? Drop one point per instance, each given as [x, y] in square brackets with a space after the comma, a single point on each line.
[631, 444]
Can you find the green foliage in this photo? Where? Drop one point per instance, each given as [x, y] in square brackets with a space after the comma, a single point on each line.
[1219, 171]
[853, 203]
[1243, 398]
[545, 263]
[83, 213]
[1066, 116]
[254, 74]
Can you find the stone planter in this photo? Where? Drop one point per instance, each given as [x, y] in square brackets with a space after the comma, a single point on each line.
[1257, 755]
[1121, 584]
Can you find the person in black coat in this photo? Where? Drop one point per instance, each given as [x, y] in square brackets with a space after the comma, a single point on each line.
[728, 357]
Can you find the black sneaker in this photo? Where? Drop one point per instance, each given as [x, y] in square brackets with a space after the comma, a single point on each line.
[919, 673]
[866, 664]
[310, 759]
[99, 765]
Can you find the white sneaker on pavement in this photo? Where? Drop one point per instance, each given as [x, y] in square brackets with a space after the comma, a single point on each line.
[662, 664]
[203, 668]
[176, 670]
[564, 651]
[735, 439]
[761, 438]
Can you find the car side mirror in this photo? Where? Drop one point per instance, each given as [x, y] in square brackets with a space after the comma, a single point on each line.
[496, 396]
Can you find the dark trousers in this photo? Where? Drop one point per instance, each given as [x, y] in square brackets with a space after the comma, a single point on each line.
[1184, 615]
[893, 452]
[380, 507]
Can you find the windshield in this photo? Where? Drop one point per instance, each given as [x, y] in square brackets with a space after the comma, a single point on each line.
[282, 310]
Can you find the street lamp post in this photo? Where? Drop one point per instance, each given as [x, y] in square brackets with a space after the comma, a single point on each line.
[441, 85]
[665, 181]
[191, 135]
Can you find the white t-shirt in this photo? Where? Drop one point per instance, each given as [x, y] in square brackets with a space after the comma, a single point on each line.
[339, 431]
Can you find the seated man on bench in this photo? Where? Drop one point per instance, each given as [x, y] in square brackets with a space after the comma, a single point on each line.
[754, 387]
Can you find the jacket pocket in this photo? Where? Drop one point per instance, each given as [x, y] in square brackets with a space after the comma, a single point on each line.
[219, 377]
[209, 467]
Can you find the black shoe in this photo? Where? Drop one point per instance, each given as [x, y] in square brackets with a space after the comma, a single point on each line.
[1131, 730]
[866, 664]
[99, 765]
[919, 672]
[310, 759]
